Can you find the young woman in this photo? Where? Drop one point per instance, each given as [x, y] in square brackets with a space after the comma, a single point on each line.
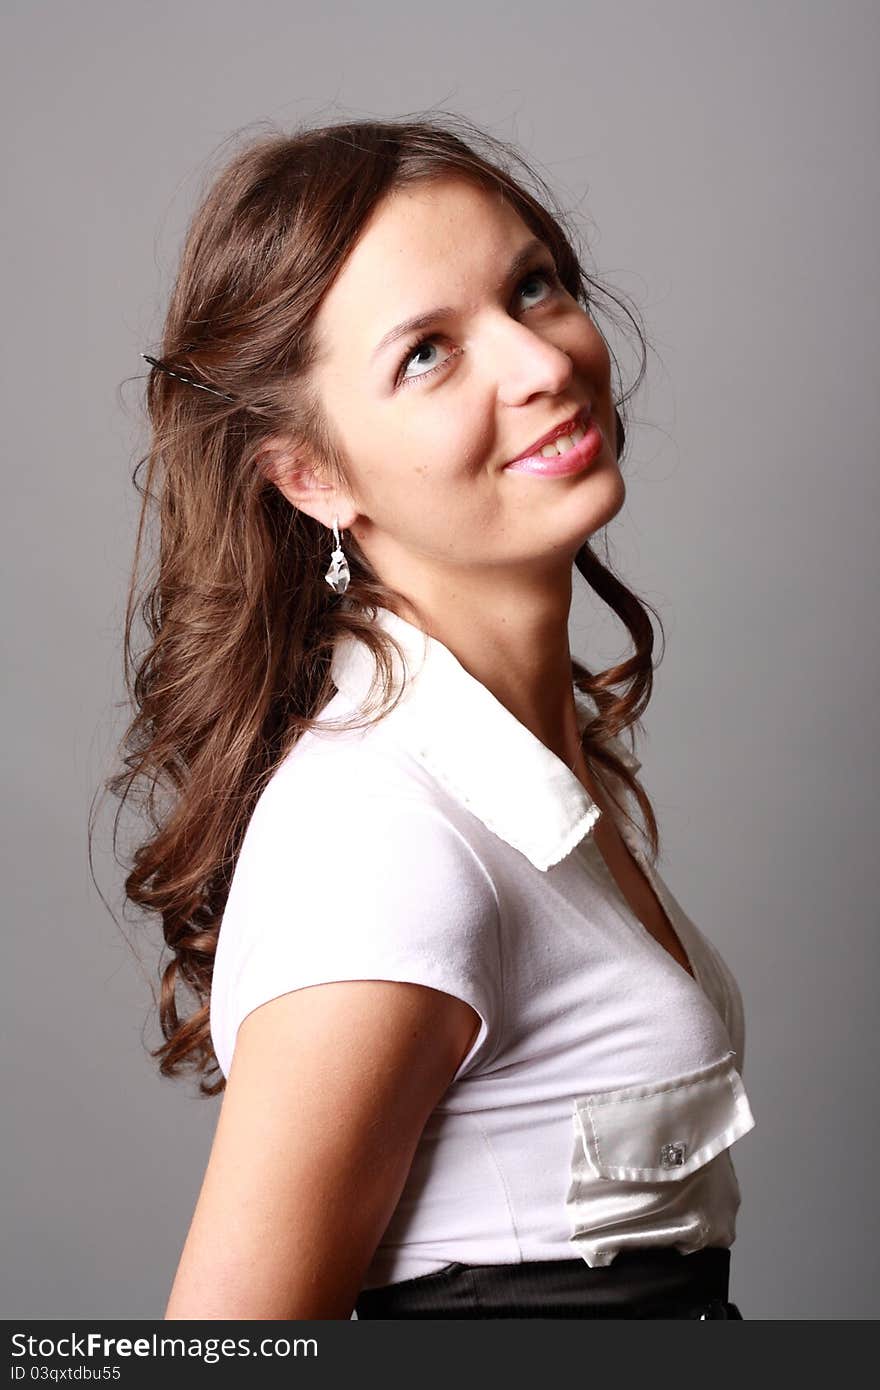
[476, 1060]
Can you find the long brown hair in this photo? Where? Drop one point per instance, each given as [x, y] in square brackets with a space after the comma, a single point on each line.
[241, 624]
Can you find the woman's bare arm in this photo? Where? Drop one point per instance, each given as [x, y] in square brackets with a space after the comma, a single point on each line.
[329, 1090]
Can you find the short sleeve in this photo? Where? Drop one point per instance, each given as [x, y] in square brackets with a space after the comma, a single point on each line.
[365, 885]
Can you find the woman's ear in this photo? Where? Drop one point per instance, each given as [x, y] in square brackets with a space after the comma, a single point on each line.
[295, 473]
[290, 468]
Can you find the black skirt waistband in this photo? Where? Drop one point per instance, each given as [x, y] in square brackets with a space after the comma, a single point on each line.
[641, 1283]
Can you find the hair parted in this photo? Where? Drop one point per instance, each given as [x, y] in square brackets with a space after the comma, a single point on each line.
[240, 622]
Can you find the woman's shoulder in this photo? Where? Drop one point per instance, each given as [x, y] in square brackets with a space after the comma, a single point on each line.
[356, 824]
[338, 782]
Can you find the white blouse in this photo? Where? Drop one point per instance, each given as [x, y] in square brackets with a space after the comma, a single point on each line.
[448, 846]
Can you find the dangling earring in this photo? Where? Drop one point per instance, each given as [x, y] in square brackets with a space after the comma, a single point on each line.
[338, 574]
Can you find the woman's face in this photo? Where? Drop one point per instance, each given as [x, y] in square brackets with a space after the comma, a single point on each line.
[427, 421]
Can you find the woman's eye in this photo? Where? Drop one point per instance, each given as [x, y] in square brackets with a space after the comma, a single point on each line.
[413, 350]
[426, 345]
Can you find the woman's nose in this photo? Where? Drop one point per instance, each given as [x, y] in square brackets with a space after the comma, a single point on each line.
[527, 365]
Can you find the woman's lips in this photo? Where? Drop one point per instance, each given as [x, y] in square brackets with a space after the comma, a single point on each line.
[579, 420]
[575, 459]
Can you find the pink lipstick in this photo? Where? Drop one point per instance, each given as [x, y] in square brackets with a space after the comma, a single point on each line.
[580, 456]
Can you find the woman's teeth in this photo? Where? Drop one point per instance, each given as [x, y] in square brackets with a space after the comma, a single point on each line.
[563, 443]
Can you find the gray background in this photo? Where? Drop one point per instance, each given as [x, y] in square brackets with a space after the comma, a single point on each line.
[724, 160]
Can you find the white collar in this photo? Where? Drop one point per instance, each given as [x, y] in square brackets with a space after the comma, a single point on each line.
[472, 744]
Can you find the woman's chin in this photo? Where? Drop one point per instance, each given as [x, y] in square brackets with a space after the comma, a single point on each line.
[603, 499]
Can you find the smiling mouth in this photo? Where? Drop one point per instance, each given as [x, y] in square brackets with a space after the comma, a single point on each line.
[570, 454]
[560, 440]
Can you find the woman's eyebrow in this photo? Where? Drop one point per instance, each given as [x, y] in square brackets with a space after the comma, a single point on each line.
[419, 321]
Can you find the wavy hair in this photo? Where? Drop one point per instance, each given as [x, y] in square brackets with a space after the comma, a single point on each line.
[240, 622]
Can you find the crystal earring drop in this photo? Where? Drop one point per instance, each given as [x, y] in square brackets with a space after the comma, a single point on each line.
[337, 575]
